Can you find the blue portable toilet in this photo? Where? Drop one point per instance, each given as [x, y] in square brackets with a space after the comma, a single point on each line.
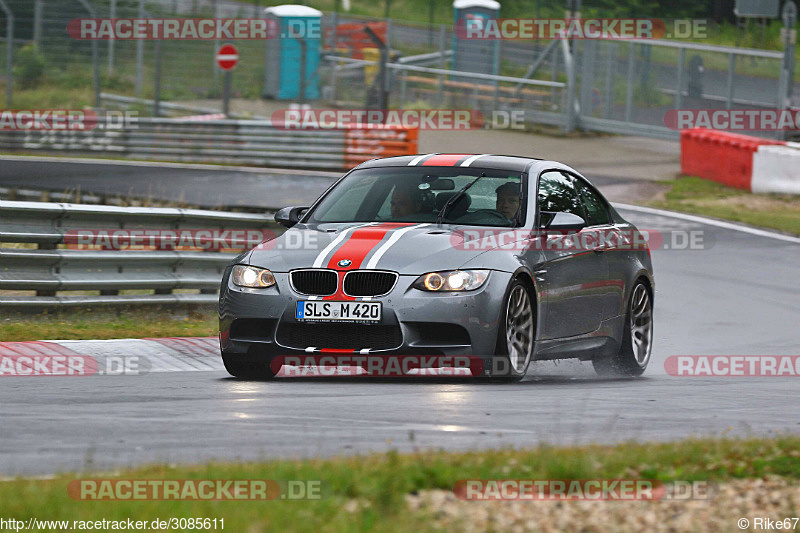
[475, 55]
[298, 27]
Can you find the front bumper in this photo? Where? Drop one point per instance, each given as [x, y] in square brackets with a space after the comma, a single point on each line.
[261, 323]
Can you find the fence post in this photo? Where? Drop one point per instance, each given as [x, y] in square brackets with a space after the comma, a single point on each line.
[112, 14]
[216, 45]
[629, 88]
[679, 81]
[611, 63]
[334, 44]
[95, 56]
[442, 65]
[555, 75]
[729, 94]
[139, 56]
[37, 23]
[157, 84]
[9, 52]
[588, 56]
[789, 34]
[569, 67]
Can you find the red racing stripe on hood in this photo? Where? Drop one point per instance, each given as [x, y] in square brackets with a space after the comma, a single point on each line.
[356, 248]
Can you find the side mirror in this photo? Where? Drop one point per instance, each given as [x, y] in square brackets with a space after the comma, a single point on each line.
[289, 216]
[562, 221]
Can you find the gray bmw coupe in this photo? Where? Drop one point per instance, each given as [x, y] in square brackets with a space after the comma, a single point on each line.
[506, 259]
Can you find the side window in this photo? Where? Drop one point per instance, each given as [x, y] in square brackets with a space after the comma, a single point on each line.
[596, 208]
[557, 194]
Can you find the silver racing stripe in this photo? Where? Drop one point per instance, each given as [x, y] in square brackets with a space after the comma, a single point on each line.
[472, 159]
[417, 160]
[395, 236]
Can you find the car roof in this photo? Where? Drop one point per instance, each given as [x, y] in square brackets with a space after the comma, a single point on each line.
[489, 161]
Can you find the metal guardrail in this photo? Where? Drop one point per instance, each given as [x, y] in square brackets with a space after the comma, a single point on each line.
[48, 270]
[252, 142]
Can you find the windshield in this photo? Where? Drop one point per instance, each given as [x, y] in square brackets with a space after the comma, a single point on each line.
[420, 195]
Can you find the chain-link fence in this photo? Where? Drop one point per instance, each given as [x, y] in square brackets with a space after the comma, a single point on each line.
[607, 85]
[630, 87]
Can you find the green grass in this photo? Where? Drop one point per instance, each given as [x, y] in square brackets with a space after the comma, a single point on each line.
[696, 195]
[379, 482]
[87, 325]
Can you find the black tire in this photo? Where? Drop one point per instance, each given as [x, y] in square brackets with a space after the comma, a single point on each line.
[632, 359]
[239, 366]
[505, 366]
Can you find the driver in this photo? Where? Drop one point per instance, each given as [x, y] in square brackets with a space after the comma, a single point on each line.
[406, 200]
[508, 199]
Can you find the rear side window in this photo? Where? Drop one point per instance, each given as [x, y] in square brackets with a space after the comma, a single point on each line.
[596, 208]
[557, 194]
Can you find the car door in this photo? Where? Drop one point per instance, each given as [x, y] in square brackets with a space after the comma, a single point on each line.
[599, 220]
[574, 269]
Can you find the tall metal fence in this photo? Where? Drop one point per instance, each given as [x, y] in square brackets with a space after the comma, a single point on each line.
[617, 86]
[629, 86]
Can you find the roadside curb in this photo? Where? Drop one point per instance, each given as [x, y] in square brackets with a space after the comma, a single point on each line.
[171, 354]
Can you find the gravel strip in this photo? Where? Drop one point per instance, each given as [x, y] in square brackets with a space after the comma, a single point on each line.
[774, 498]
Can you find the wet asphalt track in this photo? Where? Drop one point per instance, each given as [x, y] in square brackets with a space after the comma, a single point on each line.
[739, 297]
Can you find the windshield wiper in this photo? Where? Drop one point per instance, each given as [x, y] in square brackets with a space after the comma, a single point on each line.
[456, 196]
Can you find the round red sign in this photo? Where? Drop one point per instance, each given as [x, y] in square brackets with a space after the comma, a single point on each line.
[227, 56]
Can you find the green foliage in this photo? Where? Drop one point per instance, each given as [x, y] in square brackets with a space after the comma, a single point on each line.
[29, 66]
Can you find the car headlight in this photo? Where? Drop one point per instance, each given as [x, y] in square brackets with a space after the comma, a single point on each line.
[247, 276]
[453, 280]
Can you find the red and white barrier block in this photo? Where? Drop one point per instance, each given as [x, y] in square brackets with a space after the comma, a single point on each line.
[751, 163]
[777, 169]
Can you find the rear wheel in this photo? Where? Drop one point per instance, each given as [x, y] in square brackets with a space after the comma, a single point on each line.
[241, 367]
[516, 334]
[637, 338]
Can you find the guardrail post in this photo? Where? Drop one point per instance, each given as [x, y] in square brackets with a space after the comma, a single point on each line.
[9, 52]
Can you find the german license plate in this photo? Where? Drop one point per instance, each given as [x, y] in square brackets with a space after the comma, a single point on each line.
[323, 311]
